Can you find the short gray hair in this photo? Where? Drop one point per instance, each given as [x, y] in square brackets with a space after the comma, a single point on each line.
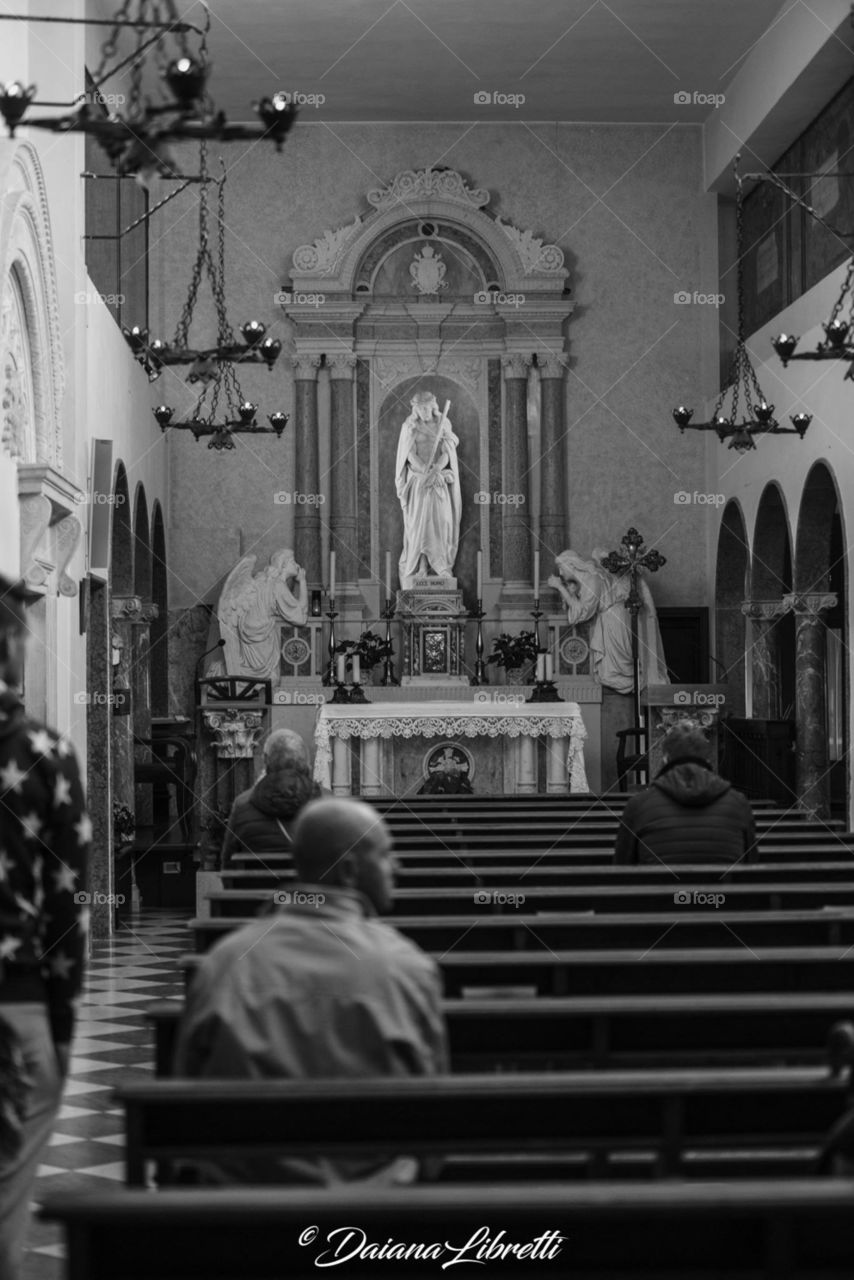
[284, 747]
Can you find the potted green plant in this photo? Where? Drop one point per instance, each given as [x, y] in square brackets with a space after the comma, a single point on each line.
[516, 654]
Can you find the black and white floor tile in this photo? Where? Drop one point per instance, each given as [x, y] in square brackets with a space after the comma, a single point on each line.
[113, 1045]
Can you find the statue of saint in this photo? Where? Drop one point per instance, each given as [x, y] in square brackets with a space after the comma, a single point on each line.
[590, 592]
[427, 479]
[251, 608]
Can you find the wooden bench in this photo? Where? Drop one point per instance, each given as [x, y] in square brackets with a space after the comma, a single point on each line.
[528, 932]
[768, 1230]
[666, 1113]
[496, 894]
[260, 877]
[576, 1031]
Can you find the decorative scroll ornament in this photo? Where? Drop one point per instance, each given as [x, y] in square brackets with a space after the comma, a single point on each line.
[428, 271]
[421, 184]
[574, 650]
[236, 732]
[537, 258]
[323, 256]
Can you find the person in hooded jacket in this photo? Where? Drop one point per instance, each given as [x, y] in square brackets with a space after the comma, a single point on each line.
[689, 814]
[261, 818]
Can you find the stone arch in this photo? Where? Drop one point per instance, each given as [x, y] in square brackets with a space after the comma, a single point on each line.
[159, 624]
[121, 542]
[141, 546]
[771, 565]
[27, 265]
[819, 506]
[731, 578]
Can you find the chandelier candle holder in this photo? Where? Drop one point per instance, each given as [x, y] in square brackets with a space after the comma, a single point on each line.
[838, 332]
[742, 382]
[138, 140]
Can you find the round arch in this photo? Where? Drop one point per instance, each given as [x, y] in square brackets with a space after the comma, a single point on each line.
[121, 539]
[141, 546]
[731, 587]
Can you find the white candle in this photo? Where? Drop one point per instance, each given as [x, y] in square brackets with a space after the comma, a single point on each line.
[341, 669]
[480, 575]
[388, 575]
[357, 669]
[332, 575]
[541, 666]
[550, 667]
[536, 575]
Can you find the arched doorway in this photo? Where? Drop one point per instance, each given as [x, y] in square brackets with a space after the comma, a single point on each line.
[771, 647]
[730, 589]
[820, 612]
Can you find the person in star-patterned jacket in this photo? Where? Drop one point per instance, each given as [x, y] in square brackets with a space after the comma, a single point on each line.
[44, 845]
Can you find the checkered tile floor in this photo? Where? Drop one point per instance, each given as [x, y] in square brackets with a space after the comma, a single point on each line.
[112, 1045]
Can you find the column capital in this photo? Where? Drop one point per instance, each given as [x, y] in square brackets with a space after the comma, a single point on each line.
[341, 364]
[306, 366]
[764, 610]
[551, 364]
[133, 609]
[236, 731]
[516, 364]
[811, 603]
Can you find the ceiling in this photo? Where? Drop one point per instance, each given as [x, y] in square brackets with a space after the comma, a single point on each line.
[417, 60]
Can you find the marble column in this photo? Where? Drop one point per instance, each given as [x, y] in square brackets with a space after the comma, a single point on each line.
[812, 777]
[342, 464]
[764, 614]
[553, 523]
[526, 767]
[307, 469]
[557, 778]
[518, 552]
[341, 767]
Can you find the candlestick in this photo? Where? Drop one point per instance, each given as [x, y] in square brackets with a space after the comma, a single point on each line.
[479, 676]
[357, 669]
[329, 677]
[537, 576]
[388, 665]
[541, 666]
[332, 575]
[479, 576]
[550, 667]
[388, 575]
[341, 669]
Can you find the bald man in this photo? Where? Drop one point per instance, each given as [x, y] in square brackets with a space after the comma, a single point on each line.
[320, 989]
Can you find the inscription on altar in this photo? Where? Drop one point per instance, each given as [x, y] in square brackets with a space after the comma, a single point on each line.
[435, 584]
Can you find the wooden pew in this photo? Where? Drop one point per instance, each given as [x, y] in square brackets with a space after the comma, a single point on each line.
[529, 932]
[667, 1113]
[768, 1230]
[617, 1030]
[481, 896]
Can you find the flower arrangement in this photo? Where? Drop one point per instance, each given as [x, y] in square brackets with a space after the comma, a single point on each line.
[124, 824]
[514, 651]
[370, 649]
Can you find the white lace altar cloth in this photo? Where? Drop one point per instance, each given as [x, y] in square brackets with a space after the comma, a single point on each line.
[451, 720]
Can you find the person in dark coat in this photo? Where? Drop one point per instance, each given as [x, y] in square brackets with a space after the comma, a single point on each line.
[689, 814]
[45, 834]
[262, 817]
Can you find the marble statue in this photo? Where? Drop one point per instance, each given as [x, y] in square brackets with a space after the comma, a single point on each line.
[427, 479]
[591, 593]
[252, 607]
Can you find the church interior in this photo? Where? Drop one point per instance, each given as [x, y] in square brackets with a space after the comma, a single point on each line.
[458, 390]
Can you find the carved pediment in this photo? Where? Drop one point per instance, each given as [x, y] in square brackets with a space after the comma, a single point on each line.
[420, 184]
[50, 528]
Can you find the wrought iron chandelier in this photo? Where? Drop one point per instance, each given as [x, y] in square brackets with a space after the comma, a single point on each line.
[256, 348]
[138, 139]
[741, 381]
[839, 332]
[213, 367]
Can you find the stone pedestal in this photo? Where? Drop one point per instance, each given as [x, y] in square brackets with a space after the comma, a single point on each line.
[812, 778]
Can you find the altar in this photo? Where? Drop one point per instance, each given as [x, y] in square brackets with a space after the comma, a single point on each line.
[386, 748]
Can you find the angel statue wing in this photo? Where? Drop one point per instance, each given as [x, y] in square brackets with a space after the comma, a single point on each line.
[234, 600]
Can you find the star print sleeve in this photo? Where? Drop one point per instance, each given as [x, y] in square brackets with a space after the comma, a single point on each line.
[67, 836]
